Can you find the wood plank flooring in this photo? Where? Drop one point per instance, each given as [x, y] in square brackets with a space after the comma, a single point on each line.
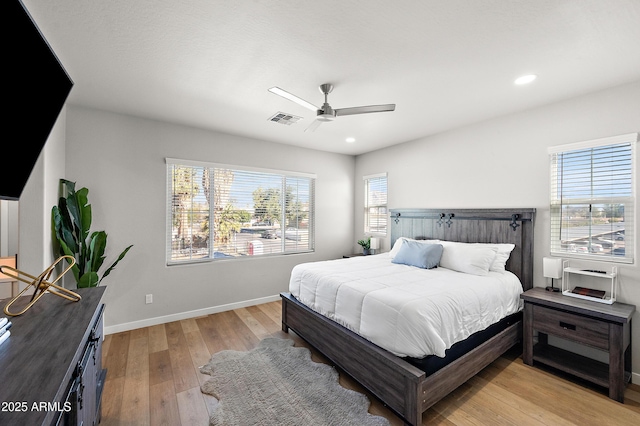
[153, 379]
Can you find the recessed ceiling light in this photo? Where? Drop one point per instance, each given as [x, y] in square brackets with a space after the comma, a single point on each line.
[525, 79]
[350, 140]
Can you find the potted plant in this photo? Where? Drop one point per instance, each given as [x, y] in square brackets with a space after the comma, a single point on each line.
[366, 245]
[71, 221]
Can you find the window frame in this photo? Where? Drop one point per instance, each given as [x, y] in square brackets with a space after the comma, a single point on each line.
[367, 219]
[558, 184]
[211, 248]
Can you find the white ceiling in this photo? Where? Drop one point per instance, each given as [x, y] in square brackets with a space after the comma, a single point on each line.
[445, 64]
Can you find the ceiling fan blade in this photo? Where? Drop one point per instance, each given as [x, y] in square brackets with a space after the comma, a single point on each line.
[365, 109]
[294, 98]
[313, 126]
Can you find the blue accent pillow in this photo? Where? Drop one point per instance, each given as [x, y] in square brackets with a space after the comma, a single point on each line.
[419, 254]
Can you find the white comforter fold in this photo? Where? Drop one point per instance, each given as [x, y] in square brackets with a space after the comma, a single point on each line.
[407, 310]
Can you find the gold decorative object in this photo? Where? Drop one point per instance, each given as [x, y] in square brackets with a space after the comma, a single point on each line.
[41, 284]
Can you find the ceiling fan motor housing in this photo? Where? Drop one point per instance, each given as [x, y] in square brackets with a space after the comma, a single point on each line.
[326, 113]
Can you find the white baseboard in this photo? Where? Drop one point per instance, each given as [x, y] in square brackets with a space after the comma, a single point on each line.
[635, 378]
[185, 315]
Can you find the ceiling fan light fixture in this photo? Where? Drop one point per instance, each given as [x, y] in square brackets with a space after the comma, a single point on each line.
[525, 79]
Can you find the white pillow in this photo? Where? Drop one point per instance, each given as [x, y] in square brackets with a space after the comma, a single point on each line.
[502, 255]
[396, 246]
[475, 259]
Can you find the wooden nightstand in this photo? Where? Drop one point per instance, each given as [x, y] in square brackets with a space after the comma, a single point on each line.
[601, 326]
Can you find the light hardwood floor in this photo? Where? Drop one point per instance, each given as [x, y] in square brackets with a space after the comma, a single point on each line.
[153, 379]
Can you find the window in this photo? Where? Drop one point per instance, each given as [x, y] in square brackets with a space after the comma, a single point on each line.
[375, 204]
[593, 199]
[220, 212]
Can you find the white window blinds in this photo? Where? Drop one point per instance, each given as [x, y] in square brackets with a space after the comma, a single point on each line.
[219, 212]
[375, 204]
[593, 199]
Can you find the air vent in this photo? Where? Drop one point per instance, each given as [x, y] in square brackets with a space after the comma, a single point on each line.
[284, 118]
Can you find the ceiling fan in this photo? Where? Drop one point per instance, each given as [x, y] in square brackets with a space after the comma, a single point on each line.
[326, 113]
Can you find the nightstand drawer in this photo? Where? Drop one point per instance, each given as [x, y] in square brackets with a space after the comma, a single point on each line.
[579, 329]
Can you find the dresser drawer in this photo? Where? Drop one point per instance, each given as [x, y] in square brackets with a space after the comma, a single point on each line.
[573, 327]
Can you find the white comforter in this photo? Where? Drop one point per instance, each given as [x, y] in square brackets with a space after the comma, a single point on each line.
[406, 310]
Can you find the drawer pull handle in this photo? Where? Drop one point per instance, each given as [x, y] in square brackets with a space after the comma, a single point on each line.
[567, 326]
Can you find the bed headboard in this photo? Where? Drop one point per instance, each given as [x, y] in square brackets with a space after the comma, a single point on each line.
[473, 226]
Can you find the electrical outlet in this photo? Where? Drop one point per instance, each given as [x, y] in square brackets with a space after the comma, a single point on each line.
[149, 298]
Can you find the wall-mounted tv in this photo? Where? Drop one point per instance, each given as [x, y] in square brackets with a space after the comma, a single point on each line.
[36, 87]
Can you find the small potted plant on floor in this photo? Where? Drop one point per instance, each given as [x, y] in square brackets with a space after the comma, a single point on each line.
[366, 245]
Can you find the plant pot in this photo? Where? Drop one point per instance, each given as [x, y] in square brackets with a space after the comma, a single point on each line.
[366, 252]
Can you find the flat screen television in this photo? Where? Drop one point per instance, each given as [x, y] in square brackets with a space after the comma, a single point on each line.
[36, 87]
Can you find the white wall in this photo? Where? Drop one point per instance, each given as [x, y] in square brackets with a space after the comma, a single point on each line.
[35, 252]
[33, 210]
[504, 163]
[121, 159]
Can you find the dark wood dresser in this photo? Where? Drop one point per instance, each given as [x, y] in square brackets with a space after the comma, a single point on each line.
[51, 365]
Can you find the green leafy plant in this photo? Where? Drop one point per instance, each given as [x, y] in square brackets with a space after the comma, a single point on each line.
[71, 223]
[366, 244]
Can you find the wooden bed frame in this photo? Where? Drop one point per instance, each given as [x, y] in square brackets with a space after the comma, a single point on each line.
[401, 386]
